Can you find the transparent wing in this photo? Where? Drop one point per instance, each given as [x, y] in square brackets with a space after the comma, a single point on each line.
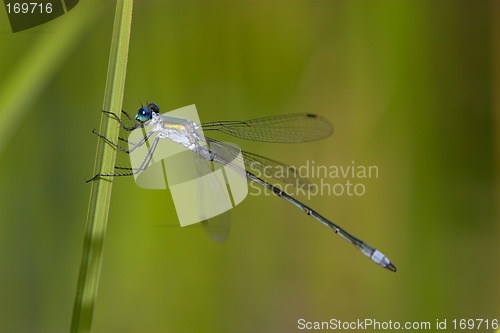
[218, 227]
[290, 128]
[210, 193]
[266, 166]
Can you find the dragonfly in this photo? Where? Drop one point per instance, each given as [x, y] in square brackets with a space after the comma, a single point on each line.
[288, 128]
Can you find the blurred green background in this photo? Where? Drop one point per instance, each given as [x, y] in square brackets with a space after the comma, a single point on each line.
[410, 86]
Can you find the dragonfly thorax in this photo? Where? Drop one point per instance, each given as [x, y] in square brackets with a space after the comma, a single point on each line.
[185, 132]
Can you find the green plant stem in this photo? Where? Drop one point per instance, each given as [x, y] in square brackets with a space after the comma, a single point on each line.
[100, 193]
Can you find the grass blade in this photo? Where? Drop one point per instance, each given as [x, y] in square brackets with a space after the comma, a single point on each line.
[100, 193]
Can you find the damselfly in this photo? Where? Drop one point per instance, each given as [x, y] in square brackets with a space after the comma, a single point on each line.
[290, 128]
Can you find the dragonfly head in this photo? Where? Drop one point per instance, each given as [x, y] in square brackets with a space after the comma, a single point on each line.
[145, 113]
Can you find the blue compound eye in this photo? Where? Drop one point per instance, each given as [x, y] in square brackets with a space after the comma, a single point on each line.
[143, 115]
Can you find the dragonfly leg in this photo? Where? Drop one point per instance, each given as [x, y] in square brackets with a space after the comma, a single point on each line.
[125, 127]
[133, 146]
